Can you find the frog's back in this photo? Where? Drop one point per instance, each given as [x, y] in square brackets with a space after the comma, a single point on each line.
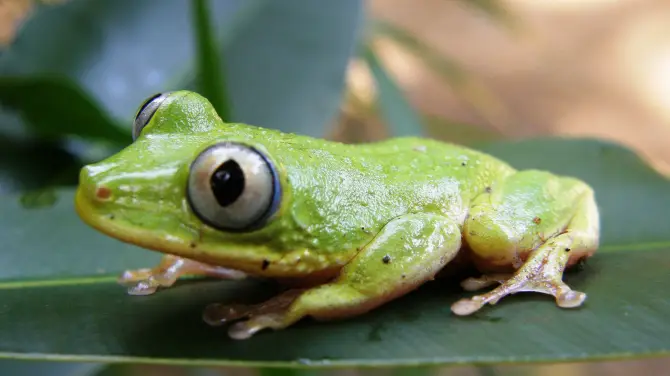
[411, 159]
[407, 166]
[355, 189]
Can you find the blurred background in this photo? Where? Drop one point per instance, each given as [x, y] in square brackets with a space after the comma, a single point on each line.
[589, 68]
[482, 70]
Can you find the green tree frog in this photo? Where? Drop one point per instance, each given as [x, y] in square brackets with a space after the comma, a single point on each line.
[349, 226]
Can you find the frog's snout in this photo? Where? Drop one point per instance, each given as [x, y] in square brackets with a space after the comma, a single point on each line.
[93, 190]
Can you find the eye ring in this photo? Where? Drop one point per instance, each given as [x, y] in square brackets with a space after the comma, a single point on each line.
[146, 112]
[233, 187]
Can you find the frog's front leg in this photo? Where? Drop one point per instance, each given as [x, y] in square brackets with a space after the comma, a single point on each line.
[408, 251]
[166, 273]
[528, 207]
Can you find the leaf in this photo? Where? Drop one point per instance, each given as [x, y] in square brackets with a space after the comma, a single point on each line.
[29, 165]
[60, 300]
[210, 78]
[285, 60]
[394, 107]
[16, 367]
[286, 70]
[119, 52]
[54, 107]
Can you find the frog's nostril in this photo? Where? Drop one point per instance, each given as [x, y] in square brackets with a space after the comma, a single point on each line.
[89, 184]
[103, 193]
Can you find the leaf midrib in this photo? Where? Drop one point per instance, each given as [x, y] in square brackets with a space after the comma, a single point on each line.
[112, 278]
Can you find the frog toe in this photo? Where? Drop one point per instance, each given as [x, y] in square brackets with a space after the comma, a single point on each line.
[468, 306]
[147, 281]
[474, 284]
[132, 277]
[275, 314]
[564, 295]
[570, 299]
[246, 329]
[219, 314]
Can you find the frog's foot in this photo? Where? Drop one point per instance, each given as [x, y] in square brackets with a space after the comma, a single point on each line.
[380, 272]
[474, 284]
[272, 314]
[166, 273]
[517, 214]
[542, 272]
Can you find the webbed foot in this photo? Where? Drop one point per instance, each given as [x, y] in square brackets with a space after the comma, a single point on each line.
[272, 314]
[542, 272]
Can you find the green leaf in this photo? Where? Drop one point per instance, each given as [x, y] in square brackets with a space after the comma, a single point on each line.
[210, 78]
[285, 60]
[54, 106]
[27, 165]
[60, 300]
[394, 107]
[17, 367]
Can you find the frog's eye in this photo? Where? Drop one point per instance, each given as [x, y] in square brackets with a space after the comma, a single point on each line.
[146, 111]
[233, 187]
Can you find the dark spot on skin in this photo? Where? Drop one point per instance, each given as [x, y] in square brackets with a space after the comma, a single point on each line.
[111, 217]
[265, 265]
[537, 220]
[191, 244]
[463, 163]
[386, 259]
[488, 189]
[567, 250]
[403, 276]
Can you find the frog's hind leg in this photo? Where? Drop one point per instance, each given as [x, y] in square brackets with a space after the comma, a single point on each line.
[408, 251]
[555, 219]
[166, 273]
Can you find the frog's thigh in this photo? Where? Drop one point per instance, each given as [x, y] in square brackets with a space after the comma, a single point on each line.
[166, 273]
[543, 270]
[407, 252]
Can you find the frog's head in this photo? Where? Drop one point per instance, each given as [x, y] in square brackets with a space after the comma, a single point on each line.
[193, 186]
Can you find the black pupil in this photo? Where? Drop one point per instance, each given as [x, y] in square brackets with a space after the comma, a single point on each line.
[227, 183]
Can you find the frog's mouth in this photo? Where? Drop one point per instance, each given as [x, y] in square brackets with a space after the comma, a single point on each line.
[93, 214]
[116, 227]
[253, 260]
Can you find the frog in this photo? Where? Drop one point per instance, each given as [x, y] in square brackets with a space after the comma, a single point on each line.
[344, 227]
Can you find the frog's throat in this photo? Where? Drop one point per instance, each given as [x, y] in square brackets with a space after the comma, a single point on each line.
[250, 262]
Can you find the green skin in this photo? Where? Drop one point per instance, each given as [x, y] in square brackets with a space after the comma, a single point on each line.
[356, 225]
